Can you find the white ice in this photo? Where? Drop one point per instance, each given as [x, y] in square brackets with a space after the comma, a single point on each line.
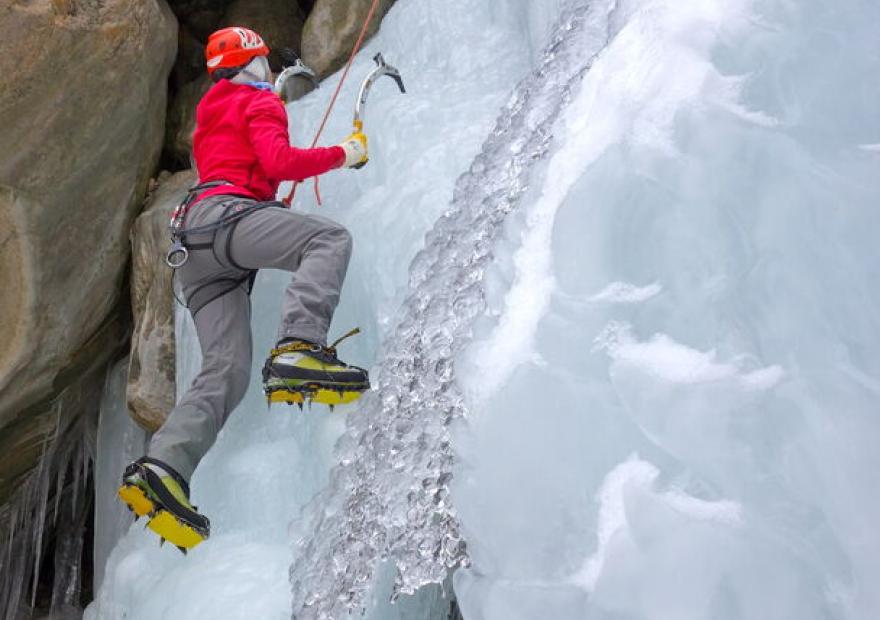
[692, 279]
[672, 396]
[120, 441]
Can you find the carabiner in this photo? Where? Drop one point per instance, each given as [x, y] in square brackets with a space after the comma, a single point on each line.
[177, 255]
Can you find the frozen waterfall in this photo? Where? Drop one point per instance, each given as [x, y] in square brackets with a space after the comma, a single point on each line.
[674, 391]
[613, 262]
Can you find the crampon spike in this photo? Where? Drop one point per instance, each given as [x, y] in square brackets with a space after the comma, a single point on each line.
[182, 549]
[300, 405]
[161, 542]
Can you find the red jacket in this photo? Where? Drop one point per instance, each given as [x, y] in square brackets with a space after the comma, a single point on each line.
[241, 137]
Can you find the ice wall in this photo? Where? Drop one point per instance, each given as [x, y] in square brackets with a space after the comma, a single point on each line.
[655, 282]
[674, 392]
[460, 59]
[120, 441]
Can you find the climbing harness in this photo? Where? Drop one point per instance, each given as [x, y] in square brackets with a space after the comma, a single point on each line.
[235, 209]
[179, 252]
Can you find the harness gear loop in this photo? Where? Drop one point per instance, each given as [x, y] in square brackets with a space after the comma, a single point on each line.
[354, 51]
[233, 212]
[179, 252]
[177, 255]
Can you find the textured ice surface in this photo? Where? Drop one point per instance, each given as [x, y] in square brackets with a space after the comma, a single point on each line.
[120, 441]
[653, 291]
[692, 280]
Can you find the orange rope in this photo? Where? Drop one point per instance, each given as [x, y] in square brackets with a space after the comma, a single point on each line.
[354, 51]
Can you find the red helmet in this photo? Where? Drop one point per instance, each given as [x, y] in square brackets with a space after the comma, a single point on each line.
[234, 47]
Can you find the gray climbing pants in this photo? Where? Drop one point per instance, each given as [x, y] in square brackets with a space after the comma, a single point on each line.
[215, 282]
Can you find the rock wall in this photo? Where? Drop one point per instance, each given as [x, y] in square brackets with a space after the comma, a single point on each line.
[82, 105]
[332, 29]
[151, 371]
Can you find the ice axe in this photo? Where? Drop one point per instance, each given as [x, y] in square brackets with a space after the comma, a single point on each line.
[293, 67]
[382, 68]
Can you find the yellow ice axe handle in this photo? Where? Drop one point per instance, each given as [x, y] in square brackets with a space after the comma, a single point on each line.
[359, 127]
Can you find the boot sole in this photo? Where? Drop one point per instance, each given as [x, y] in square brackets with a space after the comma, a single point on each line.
[341, 394]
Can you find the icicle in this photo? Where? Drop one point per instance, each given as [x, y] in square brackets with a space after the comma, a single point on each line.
[76, 472]
[59, 486]
[13, 576]
[42, 482]
[66, 454]
[68, 555]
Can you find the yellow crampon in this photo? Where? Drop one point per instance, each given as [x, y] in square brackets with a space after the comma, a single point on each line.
[166, 525]
[312, 374]
[182, 527]
[313, 393]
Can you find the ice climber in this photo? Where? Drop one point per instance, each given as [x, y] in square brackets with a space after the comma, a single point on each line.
[231, 227]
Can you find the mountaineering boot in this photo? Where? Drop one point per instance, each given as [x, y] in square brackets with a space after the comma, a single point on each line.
[153, 489]
[298, 371]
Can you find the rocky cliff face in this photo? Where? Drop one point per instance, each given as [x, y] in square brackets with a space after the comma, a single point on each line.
[82, 106]
[82, 103]
[151, 370]
[332, 29]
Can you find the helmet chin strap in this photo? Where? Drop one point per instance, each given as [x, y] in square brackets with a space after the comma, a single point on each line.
[257, 70]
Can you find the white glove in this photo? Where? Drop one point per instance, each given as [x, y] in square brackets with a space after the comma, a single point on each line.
[355, 147]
